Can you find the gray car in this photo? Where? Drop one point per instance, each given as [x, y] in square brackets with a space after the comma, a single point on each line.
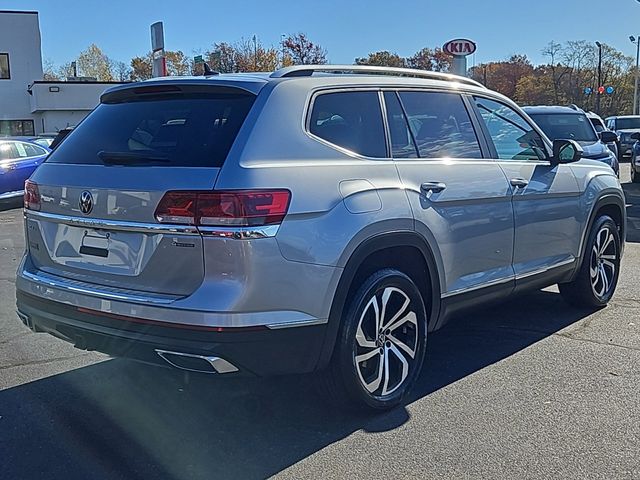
[316, 219]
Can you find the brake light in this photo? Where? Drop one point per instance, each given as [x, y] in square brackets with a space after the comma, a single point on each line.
[31, 196]
[224, 208]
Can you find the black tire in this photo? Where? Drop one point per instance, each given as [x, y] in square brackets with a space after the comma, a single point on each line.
[349, 383]
[601, 259]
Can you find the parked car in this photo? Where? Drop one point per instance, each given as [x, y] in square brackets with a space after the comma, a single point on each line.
[634, 164]
[18, 160]
[316, 219]
[624, 126]
[600, 126]
[43, 140]
[566, 122]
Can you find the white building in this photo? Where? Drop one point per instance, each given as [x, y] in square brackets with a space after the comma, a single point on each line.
[28, 104]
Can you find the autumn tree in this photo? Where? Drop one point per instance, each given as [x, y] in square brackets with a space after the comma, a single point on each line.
[299, 50]
[142, 67]
[436, 60]
[93, 62]
[382, 59]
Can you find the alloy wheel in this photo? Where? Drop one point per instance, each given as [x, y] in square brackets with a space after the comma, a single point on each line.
[603, 262]
[386, 341]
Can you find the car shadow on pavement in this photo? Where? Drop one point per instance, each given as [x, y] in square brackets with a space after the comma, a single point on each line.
[10, 204]
[120, 419]
[632, 196]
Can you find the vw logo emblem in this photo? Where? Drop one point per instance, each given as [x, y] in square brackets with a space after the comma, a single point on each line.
[86, 202]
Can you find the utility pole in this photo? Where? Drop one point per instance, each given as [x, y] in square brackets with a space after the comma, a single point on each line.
[635, 90]
[599, 45]
[255, 54]
[283, 37]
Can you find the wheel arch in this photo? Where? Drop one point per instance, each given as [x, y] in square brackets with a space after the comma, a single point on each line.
[370, 255]
[611, 204]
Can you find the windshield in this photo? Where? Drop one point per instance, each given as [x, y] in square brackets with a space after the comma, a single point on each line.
[627, 123]
[573, 126]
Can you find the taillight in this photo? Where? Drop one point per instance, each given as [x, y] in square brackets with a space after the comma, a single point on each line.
[224, 208]
[31, 196]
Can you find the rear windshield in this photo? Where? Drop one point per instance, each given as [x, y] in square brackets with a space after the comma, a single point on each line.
[571, 126]
[627, 123]
[185, 130]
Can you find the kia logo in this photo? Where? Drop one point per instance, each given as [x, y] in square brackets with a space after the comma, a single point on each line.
[459, 47]
[86, 202]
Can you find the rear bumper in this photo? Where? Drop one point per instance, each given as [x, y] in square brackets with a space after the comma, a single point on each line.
[253, 350]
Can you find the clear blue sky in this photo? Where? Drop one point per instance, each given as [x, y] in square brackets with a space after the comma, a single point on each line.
[347, 29]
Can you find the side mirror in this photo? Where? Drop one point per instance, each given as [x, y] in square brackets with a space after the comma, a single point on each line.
[610, 137]
[566, 151]
[635, 136]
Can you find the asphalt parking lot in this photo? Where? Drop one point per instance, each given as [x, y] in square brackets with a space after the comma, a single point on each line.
[528, 389]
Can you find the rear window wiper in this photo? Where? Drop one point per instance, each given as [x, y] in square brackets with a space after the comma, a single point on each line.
[129, 158]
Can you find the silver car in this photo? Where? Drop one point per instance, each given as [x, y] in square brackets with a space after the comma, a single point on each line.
[316, 219]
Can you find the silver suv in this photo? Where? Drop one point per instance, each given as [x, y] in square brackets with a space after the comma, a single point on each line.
[319, 218]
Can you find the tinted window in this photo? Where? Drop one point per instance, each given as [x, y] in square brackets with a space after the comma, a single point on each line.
[352, 120]
[627, 123]
[402, 144]
[440, 125]
[180, 130]
[512, 136]
[572, 126]
[33, 150]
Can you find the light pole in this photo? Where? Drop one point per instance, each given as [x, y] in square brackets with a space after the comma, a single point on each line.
[599, 45]
[283, 37]
[635, 90]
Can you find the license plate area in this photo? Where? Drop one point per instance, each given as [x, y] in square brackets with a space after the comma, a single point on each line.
[95, 243]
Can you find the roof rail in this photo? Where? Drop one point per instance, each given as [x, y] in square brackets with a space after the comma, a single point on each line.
[308, 70]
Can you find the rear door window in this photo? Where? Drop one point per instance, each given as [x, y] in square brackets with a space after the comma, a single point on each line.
[185, 130]
[441, 125]
[351, 120]
[402, 143]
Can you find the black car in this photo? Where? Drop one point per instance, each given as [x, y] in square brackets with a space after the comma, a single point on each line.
[572, 123]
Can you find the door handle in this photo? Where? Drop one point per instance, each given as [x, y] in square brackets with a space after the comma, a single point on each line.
[433, 187]
[519, 182]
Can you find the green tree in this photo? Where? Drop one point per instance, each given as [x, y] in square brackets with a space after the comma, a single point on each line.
[430, 59]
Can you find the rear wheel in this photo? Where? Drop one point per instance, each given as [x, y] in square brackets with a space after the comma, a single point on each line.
[381, 344]
[596, 281]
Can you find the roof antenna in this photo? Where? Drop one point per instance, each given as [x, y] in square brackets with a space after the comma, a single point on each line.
[208, 71]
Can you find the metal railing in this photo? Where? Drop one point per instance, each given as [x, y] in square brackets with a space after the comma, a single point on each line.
[308, 70]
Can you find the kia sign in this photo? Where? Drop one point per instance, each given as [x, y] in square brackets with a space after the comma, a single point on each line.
[459, 47]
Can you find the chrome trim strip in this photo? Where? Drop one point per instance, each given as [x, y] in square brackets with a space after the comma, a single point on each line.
[296, 323]
[99, 223]
[13, 194]
[79, 287]
[477, 287]
[218, 364]
[240, 233]
[545, 269]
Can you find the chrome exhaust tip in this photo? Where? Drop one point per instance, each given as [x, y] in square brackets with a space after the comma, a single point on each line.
[196, 363]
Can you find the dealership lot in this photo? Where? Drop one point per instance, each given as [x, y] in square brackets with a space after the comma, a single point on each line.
[531, 388]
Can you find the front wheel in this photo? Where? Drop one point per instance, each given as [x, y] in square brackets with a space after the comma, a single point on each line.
[381, 344]
[596, 281]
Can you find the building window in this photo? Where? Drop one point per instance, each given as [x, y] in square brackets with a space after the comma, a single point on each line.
[17, 128]
[5, 74]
